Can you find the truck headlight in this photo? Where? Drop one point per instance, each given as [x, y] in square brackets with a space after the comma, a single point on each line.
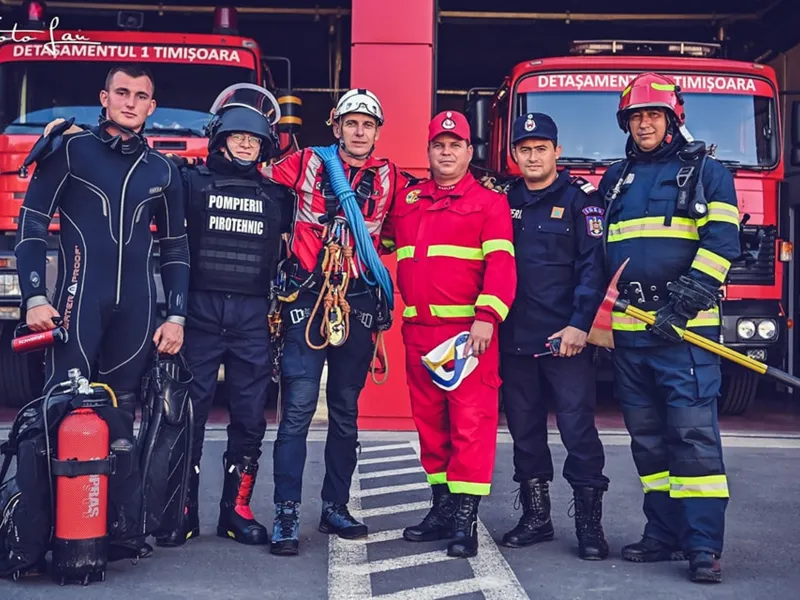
[767, 329]
[9, 285]
[745, 329]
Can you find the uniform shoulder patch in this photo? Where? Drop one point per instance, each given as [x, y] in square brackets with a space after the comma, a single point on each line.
[595, 221]
[585, 186]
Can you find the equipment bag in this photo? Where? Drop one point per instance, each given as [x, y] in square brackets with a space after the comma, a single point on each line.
[165, 443]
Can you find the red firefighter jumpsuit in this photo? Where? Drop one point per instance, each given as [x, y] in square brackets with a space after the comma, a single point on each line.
[455, 265]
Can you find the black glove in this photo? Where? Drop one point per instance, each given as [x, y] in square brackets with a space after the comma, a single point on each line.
[691, 296]
[182, 161]
[666, 318]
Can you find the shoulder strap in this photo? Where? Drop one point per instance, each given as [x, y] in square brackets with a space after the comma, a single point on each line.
[364, 191]
[585, 186]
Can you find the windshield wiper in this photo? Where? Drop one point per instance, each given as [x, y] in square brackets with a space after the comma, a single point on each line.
[179, 131]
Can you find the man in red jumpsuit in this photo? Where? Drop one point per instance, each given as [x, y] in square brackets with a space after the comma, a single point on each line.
[456, 274]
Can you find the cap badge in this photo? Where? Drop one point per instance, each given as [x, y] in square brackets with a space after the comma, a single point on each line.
[448, 123]
[530, 124]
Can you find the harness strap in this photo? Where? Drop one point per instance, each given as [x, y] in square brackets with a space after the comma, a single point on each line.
[78, 468]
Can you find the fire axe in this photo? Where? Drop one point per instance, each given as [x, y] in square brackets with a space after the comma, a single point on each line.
[601, 334]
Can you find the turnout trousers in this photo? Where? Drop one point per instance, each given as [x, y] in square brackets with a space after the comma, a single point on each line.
[458, 429]
[669, 401]
[530, 385]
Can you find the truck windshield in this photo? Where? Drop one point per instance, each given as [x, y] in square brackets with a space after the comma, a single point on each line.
[740, 125]
[36, 92]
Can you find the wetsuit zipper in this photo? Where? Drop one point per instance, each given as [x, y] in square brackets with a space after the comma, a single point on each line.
[121, 242]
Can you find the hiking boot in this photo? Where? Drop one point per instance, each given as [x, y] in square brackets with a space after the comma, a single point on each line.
[336, 518]
[704, 567]
[651, 550]
[286, 529]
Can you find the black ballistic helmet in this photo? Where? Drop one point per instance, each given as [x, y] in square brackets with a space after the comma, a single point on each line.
[240, 119]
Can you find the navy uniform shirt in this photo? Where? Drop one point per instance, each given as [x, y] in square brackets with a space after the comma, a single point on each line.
[558, 239]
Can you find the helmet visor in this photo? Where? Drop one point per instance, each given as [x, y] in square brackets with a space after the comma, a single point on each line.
[248, 95]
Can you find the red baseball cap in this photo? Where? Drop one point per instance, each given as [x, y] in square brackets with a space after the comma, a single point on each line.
[449, 121]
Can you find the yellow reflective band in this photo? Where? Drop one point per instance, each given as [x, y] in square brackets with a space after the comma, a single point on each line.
[452, 310]
[410, 311]
[450, 251]
[405, 252]
[464, 487]
[721, 212]
[711, 264]
[709, 486]
[627, 91]
[436, 478]
[663, 87]
[622, 322]
[493, 302]
[495, 245]
[657, 482]
[387, 243]
[653, 227]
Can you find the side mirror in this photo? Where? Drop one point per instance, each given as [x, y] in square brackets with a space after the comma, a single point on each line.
[477, 113]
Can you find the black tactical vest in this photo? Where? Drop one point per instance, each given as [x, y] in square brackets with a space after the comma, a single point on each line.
[234, 233]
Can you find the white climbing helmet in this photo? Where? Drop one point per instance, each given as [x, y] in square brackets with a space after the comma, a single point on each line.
[358, 100]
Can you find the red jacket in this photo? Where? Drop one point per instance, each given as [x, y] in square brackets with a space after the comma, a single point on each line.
[455, 252]
[302, 172]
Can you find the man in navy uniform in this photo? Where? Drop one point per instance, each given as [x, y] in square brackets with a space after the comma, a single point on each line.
[558, 231]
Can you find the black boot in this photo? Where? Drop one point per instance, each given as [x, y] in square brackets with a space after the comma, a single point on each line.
[704, 567]
[651, 550]
[592, 543]
[534, 525]
[465, 544]
[438, 524]
[191, 518]
[235, 517]
[336, 518]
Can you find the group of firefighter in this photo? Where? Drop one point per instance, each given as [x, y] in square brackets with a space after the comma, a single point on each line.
[500, 282]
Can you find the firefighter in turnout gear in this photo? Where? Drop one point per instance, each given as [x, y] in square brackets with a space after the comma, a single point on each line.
[455, 271]
[671, 209]
[235, 219]
[558, 239]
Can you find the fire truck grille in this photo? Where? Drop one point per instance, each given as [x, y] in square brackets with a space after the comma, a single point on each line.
[756, 266]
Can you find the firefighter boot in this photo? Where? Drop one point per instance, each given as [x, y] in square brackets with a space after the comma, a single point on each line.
[191, 518]
[337, 519]
[534, 525]
[236, 520]
[438, 524]
[465, 542]
[704, 567]
[651, 550]
[592, 543]
[286, 529]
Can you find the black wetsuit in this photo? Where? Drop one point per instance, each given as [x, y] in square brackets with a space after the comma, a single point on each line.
[107, 193]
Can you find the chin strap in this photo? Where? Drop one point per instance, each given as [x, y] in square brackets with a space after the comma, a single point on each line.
[356, 156]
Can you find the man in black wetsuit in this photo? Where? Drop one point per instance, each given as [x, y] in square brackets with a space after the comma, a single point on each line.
[107, 185]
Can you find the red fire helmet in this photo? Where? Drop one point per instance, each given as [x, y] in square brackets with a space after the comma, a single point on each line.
[651, 89]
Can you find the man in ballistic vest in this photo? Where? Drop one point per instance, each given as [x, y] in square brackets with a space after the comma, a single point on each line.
[235, 218]
[680, 238]
[332, 307]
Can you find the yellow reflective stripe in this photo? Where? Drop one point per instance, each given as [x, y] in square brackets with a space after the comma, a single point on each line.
[436, 478]
[451, 251]
[657, 482]
[452, 310]
[387, 243]
[721, 212]
[493, 302]
[405, 252]
[663, 87]
[464, 487]
[494, 245]
[681, 228]
[711, 264]
[622, 322]
[708, 486]
[410, 311]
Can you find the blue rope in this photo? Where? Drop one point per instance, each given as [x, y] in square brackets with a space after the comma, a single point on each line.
[347, 200]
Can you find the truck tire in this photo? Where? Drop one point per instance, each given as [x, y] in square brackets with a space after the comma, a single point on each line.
[739, 387]
[22, 375]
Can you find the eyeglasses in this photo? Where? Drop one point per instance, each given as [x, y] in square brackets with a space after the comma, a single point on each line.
[250, 139]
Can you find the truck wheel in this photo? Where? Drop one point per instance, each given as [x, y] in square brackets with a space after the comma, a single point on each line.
[739, 387]
[22, 374]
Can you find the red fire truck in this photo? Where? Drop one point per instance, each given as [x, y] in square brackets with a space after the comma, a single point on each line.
[732, 105]
[47, 73]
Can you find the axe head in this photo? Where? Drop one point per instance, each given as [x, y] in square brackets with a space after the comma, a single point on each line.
[601, 334]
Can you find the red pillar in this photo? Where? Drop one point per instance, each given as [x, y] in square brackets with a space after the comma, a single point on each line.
[393, 56]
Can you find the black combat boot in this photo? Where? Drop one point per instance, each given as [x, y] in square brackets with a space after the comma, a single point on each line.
[465, 542]
[236, 520]
[534, 525]
[651, 550]
[191, 518]
[592, 543]
[438, 524]
[704, 567]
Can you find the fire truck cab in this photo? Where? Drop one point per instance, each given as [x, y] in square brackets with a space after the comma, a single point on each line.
[729, 104]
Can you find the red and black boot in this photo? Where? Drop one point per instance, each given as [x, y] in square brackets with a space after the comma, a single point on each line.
[236, 519]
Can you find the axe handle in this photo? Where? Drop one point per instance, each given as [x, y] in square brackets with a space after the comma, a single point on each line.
[718, 349]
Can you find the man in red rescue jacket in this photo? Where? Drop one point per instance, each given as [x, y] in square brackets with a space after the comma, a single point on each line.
[457, 277]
